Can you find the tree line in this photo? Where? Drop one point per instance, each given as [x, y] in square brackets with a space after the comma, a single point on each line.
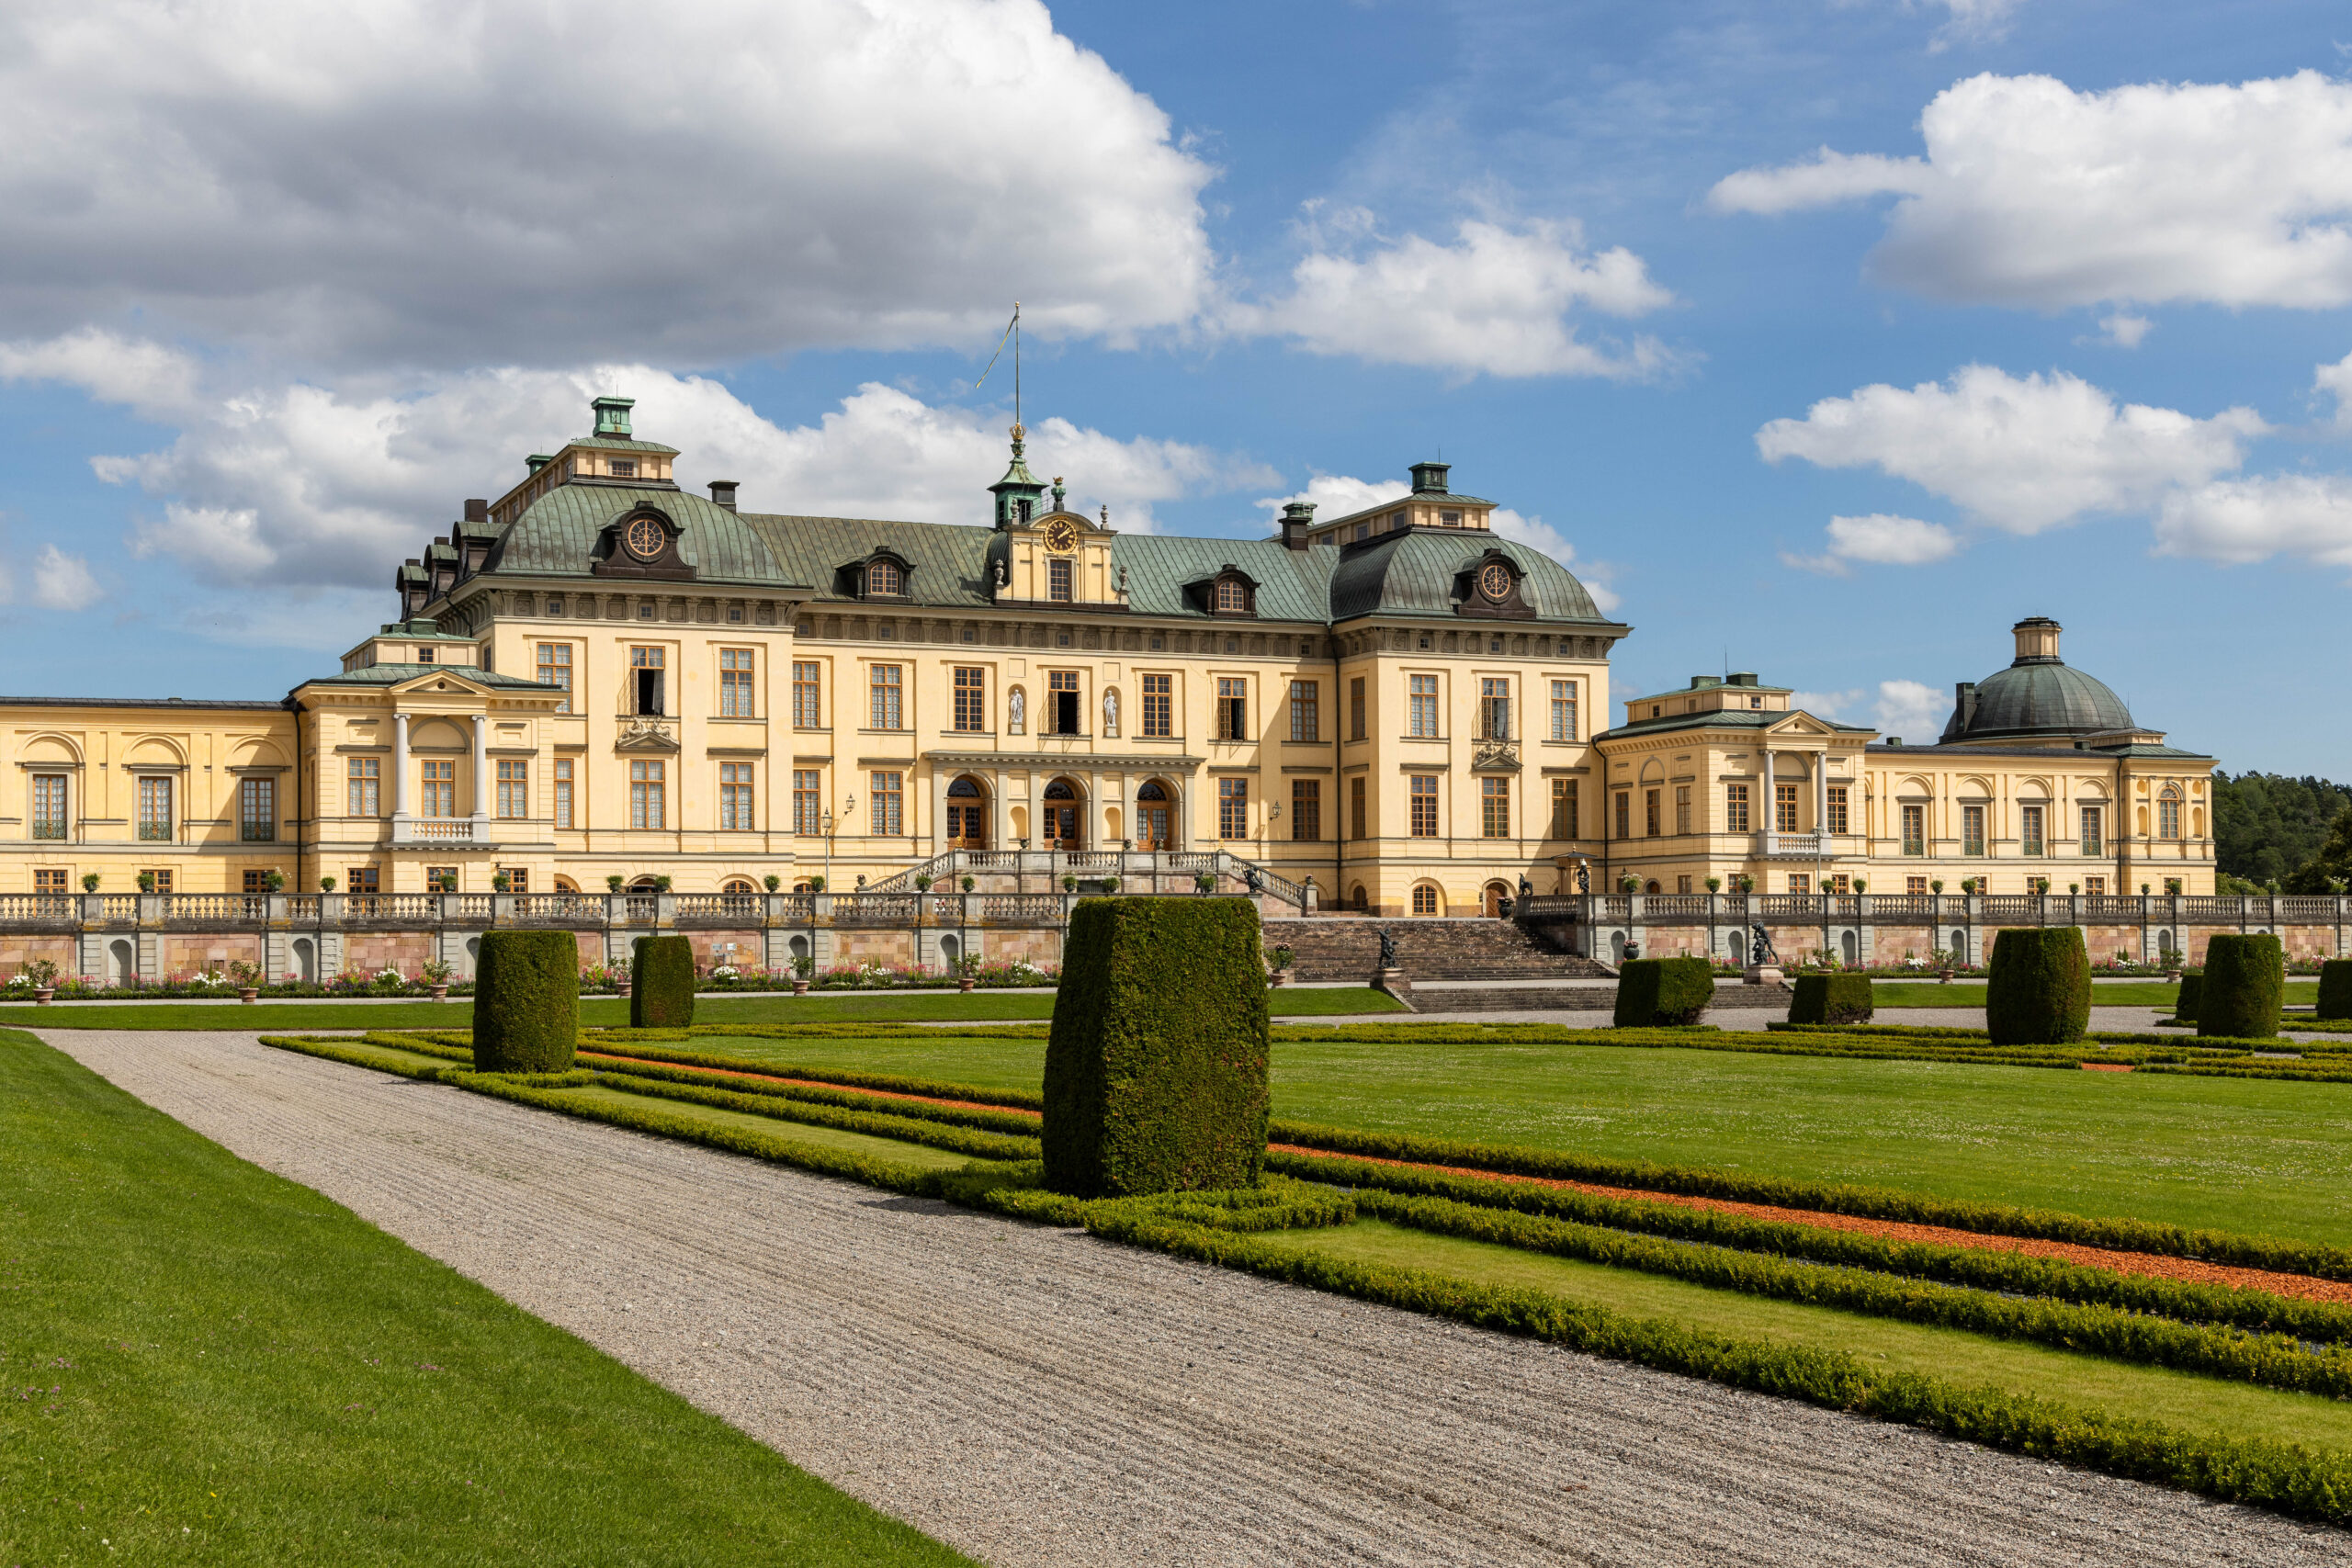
[2277, 834]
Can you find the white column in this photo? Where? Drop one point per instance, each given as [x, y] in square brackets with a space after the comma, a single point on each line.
[400, 777]
[1821, 795]
[1766, 819]
[481, 775]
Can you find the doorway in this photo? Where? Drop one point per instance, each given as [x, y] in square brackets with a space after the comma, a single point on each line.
[1061, 823]
[1155, 817]
[1493, 898]
[967, 814]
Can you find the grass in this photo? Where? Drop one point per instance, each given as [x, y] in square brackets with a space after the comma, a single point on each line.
[917, 1155]
[2232, 1154]
[2135, 994]
[2195, 1403]
[609, 1012]
[222, 1365]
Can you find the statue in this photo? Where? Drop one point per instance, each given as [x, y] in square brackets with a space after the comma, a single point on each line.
[1584, 878]
[1387, 949]
[1503, 906]
[1015, 708]
[1110, 711]
[1762, 954]
[1526, 888]
[1000, 578]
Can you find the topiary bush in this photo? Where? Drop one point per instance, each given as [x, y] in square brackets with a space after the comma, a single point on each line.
[2244, 979]
[1831, 999]
[2192, 985]
[1156, 1068]
[1654, 992]
[2335, 988]
[526, 1002]
[661, 983]
[2039, 987]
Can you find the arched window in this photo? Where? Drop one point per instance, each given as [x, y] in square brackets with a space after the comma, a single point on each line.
[1059, 790]
[1650, 886]
[884, 577]
[1358, 899]
[737, 887]
[2168, 814]
[1425, 899]
[967, 814]
[965, 788]
[1152, 790]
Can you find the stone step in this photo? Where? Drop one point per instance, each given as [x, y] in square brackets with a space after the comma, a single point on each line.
[1575, 999]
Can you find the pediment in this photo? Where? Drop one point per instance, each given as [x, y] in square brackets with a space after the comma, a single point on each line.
[441, 683]
[1800, 723]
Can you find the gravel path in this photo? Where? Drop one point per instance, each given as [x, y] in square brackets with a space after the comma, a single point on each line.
[1033, 1396]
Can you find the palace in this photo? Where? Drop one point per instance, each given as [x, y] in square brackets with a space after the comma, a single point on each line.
[601, 680]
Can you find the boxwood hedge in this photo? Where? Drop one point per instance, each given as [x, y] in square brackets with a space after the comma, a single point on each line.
[661, 983]
[1831, 999]
[1156, 1068]
[526, 1001]
[2039, 990]
[2335, 989]
[1663, 992]
[2192, 985]
[2245, 979]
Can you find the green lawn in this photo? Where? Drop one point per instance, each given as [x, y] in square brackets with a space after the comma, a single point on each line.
[2234, 1153]
[209, 1363]
[2134, 994]
[2181, 1399]
[291, 1017]
[893, 1150]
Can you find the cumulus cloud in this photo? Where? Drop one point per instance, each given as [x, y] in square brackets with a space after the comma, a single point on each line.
[314, 485]
[1908, 708]
[1337, 495]
[2123, 330]
[52, 579]
[1825, 704]
[1882, 539]
[443, 183]
[2240, 521]
[2032, 194]
[2021, 453]
[1499, 300]
[2335, 381]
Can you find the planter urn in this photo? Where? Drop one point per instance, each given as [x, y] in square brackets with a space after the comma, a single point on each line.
[799, 987]
[42, 993]
[438, 993]
[1278, 977]
[244, 993]
[964, 982]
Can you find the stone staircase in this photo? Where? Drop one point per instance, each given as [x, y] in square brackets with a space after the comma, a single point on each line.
[1347, 948]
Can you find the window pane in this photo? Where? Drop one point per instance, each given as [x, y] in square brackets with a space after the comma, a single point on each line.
[563, 782]
[886, 692]
[808, 814]
[1494, 709]
[1423, 796]
[1495, 808]
[1233, 808]
[807, 710]
[1306, 808]
[1421, 719]
[49, 805]
[1306, 723]
[555, 670]
[1564, 710]
[971, 698]
[364, 787]
[888, 801]
[1158, 705]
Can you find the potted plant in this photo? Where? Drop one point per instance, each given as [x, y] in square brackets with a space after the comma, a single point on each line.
[772, 882]
[1205, 882]
[801, 969]
[614, 882]
[1936, 886]
[1715, 884]
[146, 882]
[89, 882]
[816, 884]
[1968, 885]
[247, 976]
[620, 976]
[2041, 887]
[436, 975]
[661, 885]
[1280, 960]
[276, 880]
[326, 883]
[41, 972]
[1070, 884]
[1862, 884]
[2073, 888]
[967, 967]
[923, 883]
[971, 882]
[499, 882]
[1629, 884]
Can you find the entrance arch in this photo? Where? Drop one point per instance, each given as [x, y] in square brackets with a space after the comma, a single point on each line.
[1061, 817]
[1155, 815]
[1491, 896]
[968, 813]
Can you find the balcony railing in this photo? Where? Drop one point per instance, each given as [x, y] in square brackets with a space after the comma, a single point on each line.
[155, 832]
[258, 832]
[49, 827]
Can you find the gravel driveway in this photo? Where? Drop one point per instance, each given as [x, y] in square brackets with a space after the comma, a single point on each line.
[1033, 1396]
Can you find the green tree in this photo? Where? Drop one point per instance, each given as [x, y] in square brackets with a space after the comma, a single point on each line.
[2330, 870]
[2267, 826]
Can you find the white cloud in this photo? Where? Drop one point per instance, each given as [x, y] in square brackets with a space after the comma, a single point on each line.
[2336, 381]
[2023, 454]
[311, 486]
[1974, 21]
[2239, 521]
[1825, 704]
[1337, 495]
[2123, 330]
[456, 182]
[1911, 709]
[1498, 301]
[62, 581]
[149, 379]
[1881, 539]
[2032, 194]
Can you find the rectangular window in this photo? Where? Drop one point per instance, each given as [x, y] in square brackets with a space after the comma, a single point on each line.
[52, 882]
[1800, 883]
[886, 706]
[1232, 708]
[253, 881]
[735, 798]
[1915, 886]
[807, 802]
[649, 805]
[1233, 808]
[2095, 886]
[1494, 809]
[1058, 581]
[1915, 829]
[735, 683]
[2030, 830]
[1735, 817]
[518, 878]
[645, 667]
[1784, 808]
[1306, 711]
[808, 702]
[555, 670]
[49, 805]
[438, 794]
[364, 786]
[1158, 705]
[2168, 819]
[1840, 883]
[1564, 710]
[361, 879]
[1062, 714]
[1682, 809]
[1423, 795]
[1494, 709]
[1837, 808]
[1355, 709]
[972, 697]
[565, 770]
[1306, 810]
[1357, 825]
[1682, 884]
[1971, 830]
[1564, 808]
[257, 810]
[155, 808]
[513, 788]
[1651, 828]
[2094, 831]
[1420, 718]
[889, 802]
[1624, 815]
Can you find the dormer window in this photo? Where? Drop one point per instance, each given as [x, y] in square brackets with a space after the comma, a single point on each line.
[1059, 580]
[884, 577]
[425, 655]
[1232, 597]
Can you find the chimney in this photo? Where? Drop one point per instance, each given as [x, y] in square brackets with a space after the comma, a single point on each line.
[2037, 640]
[1963, 701]
[538, 460]
[722, 493]
[1298, 516]
[477, 510]
[1429, 478]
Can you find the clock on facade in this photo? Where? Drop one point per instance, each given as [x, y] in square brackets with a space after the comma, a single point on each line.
[645, 538]
[1494, 582]
[1060, 537]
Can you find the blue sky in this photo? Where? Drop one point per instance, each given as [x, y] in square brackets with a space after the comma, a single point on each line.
[1824, 339]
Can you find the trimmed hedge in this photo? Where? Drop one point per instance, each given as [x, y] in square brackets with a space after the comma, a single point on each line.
[2244, 979]
[1653, 992]
[1831, 999]
[2038, 988]
[874, 1123]
[661, 983]
[1156, 1068]
[1014, 1123]
[526, 1001]
[2192, 985]
[2335, 990]
[899, 1083]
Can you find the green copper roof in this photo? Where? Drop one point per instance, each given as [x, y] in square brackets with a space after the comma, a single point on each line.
[393, 674]
[1417, 573]
[1728, 718]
